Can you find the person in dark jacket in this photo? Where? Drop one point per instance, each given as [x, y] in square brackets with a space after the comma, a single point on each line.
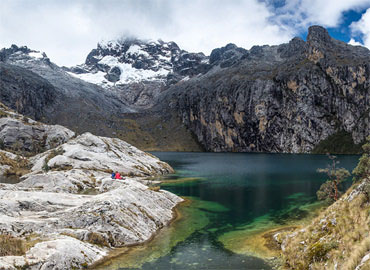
[113, 175]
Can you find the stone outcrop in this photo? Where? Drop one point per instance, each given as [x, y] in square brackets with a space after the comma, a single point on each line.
[24, 134]
[128, 214]
[89, 152]
[71, 208]
[61, 253]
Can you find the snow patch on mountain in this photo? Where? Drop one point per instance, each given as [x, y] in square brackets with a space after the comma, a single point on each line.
[128, 74]
[95, 78]
[136, 49]
[36, 54]
[22, 55]
[125, 61]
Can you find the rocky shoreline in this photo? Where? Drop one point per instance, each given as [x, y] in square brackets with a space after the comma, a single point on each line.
[66, 212]
[118, 252]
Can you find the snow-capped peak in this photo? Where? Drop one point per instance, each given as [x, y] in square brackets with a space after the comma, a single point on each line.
[22, 54]
[130, 60]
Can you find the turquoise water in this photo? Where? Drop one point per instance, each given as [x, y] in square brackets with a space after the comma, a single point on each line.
[232, 194]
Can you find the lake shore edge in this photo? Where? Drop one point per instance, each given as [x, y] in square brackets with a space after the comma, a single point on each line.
[120, 251]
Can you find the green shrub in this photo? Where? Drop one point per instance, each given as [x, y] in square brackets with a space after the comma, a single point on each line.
[363, 167]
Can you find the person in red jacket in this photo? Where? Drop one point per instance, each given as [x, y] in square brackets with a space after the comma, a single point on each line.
[118, 176]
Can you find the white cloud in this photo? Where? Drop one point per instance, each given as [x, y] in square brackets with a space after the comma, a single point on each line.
[353, 42]
[362, 27]
[329, 13]
[68, 30]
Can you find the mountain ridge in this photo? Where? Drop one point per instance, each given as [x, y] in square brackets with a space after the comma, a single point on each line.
[281, 98]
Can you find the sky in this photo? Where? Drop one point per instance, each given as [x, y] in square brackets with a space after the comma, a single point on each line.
[68, 30]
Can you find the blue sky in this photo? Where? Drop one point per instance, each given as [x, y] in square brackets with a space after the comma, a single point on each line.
[343, 31]
[68, 30]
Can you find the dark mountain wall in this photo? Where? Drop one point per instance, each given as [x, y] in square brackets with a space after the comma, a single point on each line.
[26, 92]
[283, 98]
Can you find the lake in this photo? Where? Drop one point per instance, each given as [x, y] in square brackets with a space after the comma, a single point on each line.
[231, 196]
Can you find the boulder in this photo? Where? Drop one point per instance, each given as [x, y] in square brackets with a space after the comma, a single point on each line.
[61, 253]
[100, 154]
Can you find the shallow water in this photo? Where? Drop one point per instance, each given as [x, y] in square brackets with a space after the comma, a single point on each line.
[232, 196]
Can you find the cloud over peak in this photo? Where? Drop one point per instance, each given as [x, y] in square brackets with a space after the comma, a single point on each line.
[68, 30]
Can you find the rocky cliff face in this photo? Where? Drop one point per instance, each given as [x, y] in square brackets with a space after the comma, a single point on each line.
[25, 91]
[283, 98]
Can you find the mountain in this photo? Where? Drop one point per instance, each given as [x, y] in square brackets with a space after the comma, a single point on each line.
[127, 61]
[139, 70]
[33, 85]
[36, 83]
[297, 97]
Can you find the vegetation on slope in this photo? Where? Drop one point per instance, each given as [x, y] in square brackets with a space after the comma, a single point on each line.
[332, 237]
[14, 246]
[340, 142]
[339, 238]
[154, 132]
